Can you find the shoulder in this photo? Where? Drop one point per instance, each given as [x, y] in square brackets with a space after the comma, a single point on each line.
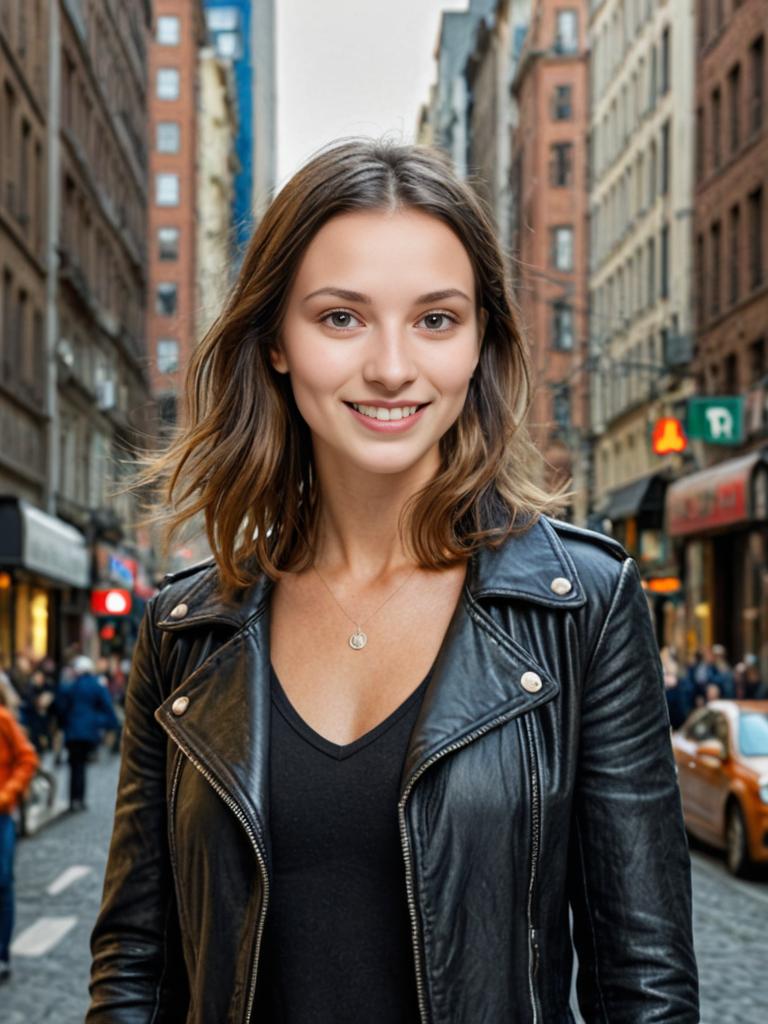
[600, 561]
[176, 587]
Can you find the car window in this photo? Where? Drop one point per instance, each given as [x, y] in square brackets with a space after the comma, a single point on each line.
[720, 729]
[702, 728]
[753, 733]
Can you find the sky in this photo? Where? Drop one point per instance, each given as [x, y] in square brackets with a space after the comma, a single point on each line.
[346, 67]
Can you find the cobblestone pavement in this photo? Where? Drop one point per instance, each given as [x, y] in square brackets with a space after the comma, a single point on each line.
[730, 921]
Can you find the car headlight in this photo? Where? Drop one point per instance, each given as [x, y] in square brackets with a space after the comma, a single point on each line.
[763, 790]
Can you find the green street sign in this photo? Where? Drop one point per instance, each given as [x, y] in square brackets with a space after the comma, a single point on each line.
[716, 420]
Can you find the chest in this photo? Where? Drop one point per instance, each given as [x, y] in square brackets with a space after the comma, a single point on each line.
[343, 693]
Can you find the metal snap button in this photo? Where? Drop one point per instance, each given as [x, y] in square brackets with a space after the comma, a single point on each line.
[180, 705]
[561, 585]
[179, 611]
[531, 681]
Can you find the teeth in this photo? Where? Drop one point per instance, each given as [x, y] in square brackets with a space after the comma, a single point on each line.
[379, 413]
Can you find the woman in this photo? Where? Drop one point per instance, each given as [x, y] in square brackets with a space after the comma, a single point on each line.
[378, 744]
[18, 763]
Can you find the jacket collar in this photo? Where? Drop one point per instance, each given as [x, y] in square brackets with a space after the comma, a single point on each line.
[523, 567]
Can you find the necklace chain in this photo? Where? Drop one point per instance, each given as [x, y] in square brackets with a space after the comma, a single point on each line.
[358, 639]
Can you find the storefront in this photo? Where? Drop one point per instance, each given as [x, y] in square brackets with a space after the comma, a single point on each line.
[44, 577]
[717, 518]
[634, 515]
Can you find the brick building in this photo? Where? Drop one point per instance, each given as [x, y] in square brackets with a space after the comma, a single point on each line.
[549, 244]
[717, 515]
[180, 32]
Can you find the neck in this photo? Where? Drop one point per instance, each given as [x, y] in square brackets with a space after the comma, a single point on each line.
[357, 531]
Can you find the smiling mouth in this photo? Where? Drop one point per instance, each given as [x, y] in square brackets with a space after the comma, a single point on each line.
[379, 412]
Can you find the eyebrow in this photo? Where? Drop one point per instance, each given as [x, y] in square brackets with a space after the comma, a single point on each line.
[350, 296]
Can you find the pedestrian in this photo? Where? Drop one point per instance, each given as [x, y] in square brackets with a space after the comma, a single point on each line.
[8, 693]
[85, 709]
[18, 763]
[747, 682]
[36, 710]
[676, 688]
[721, 672]
[405, 717]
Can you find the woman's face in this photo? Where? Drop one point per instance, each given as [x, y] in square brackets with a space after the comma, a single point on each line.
[381, 315]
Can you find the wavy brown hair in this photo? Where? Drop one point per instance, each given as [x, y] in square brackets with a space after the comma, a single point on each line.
[243, 457]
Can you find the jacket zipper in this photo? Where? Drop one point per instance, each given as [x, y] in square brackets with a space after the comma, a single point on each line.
[533, 954]
[240, 815]
[404, 840]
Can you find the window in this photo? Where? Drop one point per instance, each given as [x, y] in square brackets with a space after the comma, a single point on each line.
[562, 326]
[731, 375]
[653, 174]
[166, 298]
[665, 81]
[561, 163]
[716, 153]
[734, 95]
[756, 254]
[666, 156]
[757, 64]
[166, 407]
[168, 137]
[562, 248]
[561, 406]
[167, 355]
[168, 243]
[715, 264]
[733, 263]
[167, 189]
[758, 367]
[168, 83]
[699, 143]
[562, 105]
[224, 29]
[567, 32]
[654, 83]
[168, 30]
[664, 283]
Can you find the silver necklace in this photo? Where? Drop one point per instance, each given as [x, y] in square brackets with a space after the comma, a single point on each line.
[359, 639]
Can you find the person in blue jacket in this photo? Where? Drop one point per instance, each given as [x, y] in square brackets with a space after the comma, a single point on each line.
[86, 711]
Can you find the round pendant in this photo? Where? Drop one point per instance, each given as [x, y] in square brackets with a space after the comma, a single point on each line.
[358, 640]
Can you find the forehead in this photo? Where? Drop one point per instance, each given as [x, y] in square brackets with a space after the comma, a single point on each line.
[375, 251]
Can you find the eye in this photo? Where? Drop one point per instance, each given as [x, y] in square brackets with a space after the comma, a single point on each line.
[440, 316]
[340, 313]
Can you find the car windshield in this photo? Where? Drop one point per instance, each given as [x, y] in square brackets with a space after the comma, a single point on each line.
[753, 733]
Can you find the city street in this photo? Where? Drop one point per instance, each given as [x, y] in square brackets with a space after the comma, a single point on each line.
[59, 875]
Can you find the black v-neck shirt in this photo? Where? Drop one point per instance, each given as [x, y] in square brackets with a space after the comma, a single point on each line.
[337, 945]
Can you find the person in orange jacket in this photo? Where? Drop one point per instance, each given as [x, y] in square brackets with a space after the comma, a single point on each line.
[18, 763]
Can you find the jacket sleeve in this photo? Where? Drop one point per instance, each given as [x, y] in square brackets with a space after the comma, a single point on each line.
[24, 763]
[137, 972]
[630, 881]
[107, 709]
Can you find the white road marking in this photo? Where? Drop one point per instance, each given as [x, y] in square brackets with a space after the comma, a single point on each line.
[67, 877]
[42, 936]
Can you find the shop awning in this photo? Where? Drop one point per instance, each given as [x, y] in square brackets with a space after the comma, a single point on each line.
[732, 492]
[645, 495]
[31, 539]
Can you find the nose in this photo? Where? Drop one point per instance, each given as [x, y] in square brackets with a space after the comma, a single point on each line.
[389, 360]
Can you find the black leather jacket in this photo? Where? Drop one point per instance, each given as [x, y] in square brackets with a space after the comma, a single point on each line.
[539, 775]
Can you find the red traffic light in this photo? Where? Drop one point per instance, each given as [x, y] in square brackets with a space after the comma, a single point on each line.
[110, 602]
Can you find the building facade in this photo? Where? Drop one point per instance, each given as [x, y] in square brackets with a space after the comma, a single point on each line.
[217, 169]
[718, 515]
[174, 70]
[74, 386]
[549, 243]
[243, 32]
[640, 278]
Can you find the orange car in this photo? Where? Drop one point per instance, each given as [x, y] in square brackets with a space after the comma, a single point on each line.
[721, 751]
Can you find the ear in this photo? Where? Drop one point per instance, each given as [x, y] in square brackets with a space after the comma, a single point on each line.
[277, 358]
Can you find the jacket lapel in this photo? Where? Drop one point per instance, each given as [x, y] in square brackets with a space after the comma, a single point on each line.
[477, 676]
